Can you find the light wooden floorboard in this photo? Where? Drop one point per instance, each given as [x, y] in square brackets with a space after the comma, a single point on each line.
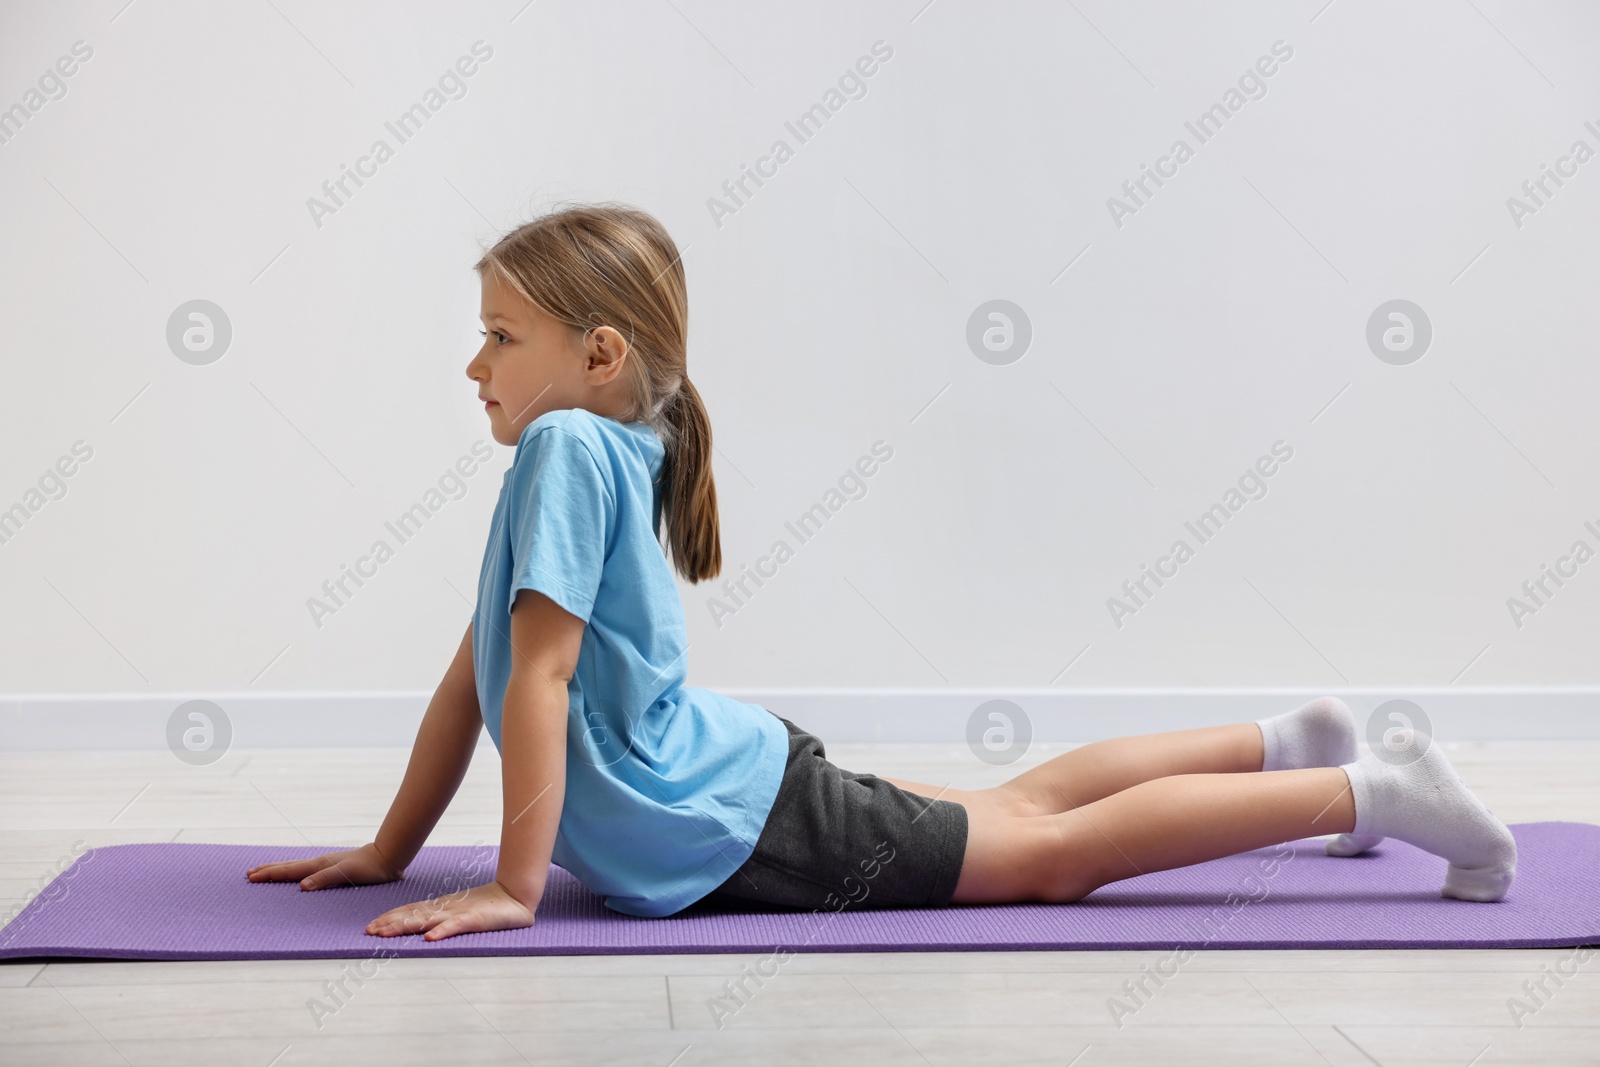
[1392, 1008]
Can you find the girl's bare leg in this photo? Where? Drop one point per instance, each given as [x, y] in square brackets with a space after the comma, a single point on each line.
[1170, 821]
[1092, 772]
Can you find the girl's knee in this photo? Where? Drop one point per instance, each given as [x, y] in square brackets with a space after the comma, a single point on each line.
[1062, 878]
[1066, 870]
[1065, 888]
[1014, 859]
[1018, 801]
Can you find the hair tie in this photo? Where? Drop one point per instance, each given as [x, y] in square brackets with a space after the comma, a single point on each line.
[668, 399]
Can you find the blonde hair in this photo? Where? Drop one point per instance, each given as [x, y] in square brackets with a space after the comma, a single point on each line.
[613, 265]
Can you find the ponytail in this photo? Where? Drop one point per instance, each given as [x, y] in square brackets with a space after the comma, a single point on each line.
[689, 496]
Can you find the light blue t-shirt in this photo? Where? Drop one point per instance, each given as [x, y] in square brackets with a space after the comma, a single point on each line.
[668, 786]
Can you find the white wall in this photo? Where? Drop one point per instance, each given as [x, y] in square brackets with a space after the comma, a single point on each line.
[828, 311]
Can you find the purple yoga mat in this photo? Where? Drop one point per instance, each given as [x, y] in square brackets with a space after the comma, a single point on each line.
[193, 902]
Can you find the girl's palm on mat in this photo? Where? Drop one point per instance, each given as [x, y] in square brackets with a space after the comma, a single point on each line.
[481, 908]
[358, 866]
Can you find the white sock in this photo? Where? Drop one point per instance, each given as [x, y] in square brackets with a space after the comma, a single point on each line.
[1319, 733]
[1422, 801]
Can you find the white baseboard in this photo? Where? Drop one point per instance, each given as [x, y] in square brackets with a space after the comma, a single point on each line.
[383, 719]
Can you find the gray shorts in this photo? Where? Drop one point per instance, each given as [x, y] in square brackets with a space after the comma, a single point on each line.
[835, 839]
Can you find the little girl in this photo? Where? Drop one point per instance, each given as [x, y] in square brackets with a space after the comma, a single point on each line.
[656, 795]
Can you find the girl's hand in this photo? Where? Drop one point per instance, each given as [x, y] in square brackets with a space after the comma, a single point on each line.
[481, 908]
[360, 866]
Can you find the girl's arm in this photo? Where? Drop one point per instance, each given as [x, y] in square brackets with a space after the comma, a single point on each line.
[439, 760]
[440, 757]
[545, 640]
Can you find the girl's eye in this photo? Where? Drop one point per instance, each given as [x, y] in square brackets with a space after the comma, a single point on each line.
[499, 337]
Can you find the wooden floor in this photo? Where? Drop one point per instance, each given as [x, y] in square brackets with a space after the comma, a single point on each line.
[1391, 1008]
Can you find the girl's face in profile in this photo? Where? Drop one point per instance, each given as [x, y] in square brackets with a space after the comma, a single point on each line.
[531, 363]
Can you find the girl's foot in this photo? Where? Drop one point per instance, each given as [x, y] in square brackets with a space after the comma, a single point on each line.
[1319, 733]
[1423, 801]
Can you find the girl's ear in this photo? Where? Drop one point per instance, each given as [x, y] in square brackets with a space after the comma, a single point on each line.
[605, 351]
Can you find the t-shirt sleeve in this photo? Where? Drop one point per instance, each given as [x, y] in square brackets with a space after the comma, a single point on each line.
[561, 513]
